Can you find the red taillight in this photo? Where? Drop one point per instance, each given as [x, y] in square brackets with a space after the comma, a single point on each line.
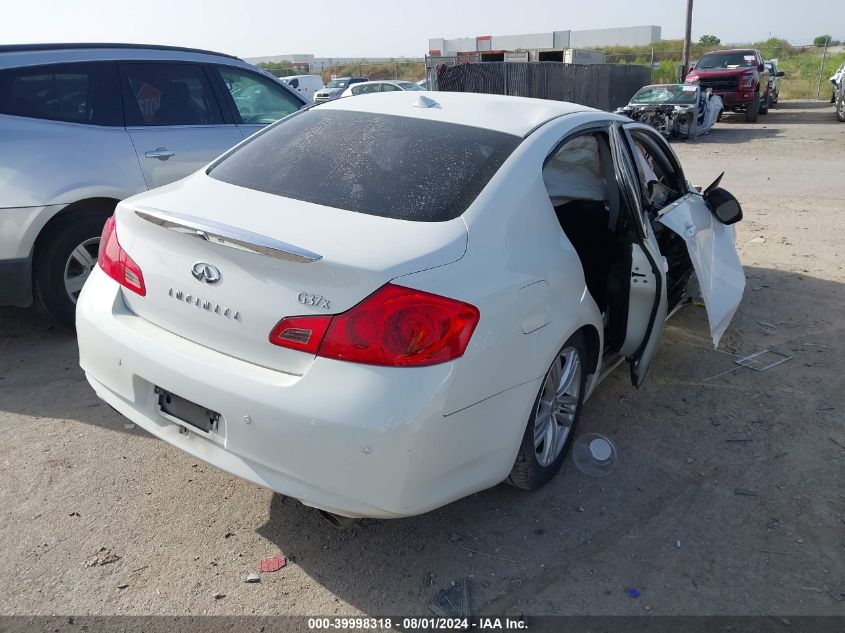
[394, 326]
[116, 262]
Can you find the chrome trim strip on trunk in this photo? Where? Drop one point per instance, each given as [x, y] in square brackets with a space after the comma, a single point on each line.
[225, 235]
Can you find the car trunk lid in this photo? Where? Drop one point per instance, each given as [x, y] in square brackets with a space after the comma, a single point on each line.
[224, 264]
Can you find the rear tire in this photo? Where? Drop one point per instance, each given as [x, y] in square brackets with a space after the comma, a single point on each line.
[752, 111]
[66, 255]
[556, 410]
[840, 106]
[764, 103]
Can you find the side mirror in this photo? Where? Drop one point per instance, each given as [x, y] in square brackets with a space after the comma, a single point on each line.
[723, 205]
[780, 73]
[761, 68]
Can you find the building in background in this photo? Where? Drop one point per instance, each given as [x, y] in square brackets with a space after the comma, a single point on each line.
[548, 46]
[561, 46]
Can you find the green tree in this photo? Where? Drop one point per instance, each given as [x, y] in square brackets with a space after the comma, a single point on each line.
[823, 40]
[709, 40]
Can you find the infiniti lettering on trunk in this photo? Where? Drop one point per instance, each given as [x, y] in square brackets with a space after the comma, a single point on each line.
[190, 299]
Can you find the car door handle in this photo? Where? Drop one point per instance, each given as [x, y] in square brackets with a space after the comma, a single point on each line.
[162, 153]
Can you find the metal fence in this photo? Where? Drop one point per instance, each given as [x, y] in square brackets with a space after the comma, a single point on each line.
[602, 86]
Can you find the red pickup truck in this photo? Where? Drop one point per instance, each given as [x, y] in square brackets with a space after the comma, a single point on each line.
[738, 76]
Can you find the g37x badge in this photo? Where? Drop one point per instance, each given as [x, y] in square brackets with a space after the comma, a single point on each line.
[318, 301]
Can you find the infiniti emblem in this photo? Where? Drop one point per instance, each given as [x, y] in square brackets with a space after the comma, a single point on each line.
[205, 273]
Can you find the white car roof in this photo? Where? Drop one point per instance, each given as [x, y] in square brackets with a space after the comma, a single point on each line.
[512, 115]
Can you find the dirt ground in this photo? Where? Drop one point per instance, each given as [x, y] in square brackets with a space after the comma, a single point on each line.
[727, 498]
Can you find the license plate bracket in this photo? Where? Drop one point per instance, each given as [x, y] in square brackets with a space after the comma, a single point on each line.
[181, 410]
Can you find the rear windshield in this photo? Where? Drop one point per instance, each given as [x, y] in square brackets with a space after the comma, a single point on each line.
[390, 166]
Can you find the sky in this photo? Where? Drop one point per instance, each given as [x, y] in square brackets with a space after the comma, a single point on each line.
[388, 28]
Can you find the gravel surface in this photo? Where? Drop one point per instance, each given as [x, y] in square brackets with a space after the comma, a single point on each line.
[727, 497]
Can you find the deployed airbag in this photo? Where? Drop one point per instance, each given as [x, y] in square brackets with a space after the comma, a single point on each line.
[575, 172]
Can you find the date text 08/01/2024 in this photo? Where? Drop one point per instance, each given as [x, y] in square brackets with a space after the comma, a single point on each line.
[418, 623]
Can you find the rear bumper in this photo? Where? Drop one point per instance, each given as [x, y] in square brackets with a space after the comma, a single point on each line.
[19, 226]
[350, 439]
[16, 282]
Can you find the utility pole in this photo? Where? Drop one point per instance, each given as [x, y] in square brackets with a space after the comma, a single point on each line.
[821, 70]
[687, 37]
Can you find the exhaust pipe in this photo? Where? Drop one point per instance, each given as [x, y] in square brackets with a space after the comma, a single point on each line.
[337, 520]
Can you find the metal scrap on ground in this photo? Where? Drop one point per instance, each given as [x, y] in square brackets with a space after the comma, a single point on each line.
[759, 361]
[453, 602]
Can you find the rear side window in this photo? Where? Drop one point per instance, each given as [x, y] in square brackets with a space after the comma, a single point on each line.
[166, 93]
[391, 166]
[77, 92]
[364, 89]
[257, 99]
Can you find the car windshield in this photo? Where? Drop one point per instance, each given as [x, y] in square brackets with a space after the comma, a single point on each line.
[727, 60]
[391, 166]
[337, 83]
[669, 93]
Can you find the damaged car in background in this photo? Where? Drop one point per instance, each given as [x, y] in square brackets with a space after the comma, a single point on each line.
[382, 350]
[675, 110]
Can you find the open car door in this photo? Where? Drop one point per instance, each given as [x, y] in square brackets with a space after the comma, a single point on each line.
[711, 245]
[704, 221]
[647, 304]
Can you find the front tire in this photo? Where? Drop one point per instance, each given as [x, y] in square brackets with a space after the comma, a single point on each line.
[764, 104]
[554, 418]
[752, 111]
[66, 255]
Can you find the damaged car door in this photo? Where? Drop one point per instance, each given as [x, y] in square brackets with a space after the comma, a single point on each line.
[701, 219]
[648, 306]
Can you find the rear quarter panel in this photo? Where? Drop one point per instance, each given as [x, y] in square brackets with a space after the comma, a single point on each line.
[520, 271]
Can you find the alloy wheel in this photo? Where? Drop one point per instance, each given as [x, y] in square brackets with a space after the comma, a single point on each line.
[557, 406]
[79, 265]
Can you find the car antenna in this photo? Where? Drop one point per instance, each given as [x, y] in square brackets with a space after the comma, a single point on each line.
[424, 102]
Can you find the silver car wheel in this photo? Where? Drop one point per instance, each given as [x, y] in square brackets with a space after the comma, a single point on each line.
[556, 407]
[840, 105]
[79, 265]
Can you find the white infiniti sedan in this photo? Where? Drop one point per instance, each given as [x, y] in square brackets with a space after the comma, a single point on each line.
[383, 304]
